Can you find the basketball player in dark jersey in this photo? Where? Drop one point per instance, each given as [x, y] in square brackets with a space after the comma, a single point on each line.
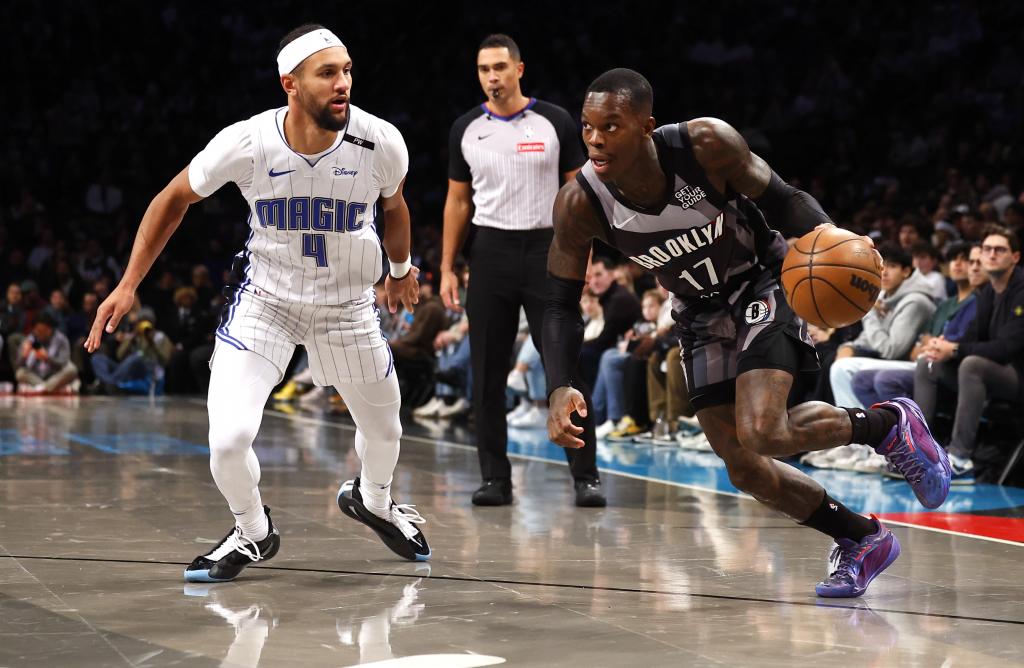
[685, 201]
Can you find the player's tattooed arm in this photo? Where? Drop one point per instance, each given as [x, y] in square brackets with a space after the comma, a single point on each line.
[725, 156]
[576, 226]
[729, 162]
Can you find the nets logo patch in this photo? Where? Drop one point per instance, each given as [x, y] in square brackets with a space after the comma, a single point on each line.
[530, 147]
[757, 312]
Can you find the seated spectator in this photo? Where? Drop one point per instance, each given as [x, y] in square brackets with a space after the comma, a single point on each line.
[909, 233]
[189, 327]
[79, 323]
[12, 323]
[44, 362]
[454, 388]
[620, 308]
[593, 315]
[527, 380]
[94, 263]
[891, 327]
[60, 310]
[889, 332]
[950, 320]
[988, 362]
[414, 351]
[618, 420]
[206, 293]
[926, 263]
[139, 363]
[668, 405]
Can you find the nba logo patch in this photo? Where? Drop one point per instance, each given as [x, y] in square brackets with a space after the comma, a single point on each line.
[757, 312]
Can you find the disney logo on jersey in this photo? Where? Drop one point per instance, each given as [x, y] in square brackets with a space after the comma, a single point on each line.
[319, 214]
[689, 195]
[339, 172]
[684, 244]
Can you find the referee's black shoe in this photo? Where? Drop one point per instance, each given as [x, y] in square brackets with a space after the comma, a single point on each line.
[494, 492]
[589, 494]
[224, 562]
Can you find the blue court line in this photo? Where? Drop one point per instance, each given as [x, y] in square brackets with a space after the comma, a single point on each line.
[138, 442]
[863, 492]
[13, 442]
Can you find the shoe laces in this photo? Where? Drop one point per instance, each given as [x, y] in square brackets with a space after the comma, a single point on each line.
[405, 516]
[237, 542]
[842, 563]
[906, 463]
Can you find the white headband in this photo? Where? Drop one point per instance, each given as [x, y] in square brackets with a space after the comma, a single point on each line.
[303, 47]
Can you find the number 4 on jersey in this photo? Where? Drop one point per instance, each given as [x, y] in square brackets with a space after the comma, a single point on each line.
[315, 246]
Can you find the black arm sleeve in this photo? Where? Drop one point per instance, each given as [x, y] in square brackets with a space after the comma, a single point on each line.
[788, 210]
[562, 332]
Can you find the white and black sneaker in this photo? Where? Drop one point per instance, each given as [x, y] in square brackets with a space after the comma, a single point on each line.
[224, 562]
[399, 532]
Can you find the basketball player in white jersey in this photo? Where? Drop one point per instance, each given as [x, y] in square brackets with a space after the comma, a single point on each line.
[312, 173]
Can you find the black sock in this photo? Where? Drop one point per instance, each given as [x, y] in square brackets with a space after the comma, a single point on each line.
[836, 520]
[871, 425]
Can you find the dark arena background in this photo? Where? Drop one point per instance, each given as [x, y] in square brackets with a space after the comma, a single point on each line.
[904, 120]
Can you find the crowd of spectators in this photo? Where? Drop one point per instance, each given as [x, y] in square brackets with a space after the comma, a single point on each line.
[902, 120]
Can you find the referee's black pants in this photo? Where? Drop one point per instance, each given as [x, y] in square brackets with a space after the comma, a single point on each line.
[508, 269]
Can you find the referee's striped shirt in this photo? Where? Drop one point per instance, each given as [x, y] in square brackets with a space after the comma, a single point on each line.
[514, 163]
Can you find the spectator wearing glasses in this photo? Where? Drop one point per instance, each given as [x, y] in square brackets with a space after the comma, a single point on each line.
[988, 362]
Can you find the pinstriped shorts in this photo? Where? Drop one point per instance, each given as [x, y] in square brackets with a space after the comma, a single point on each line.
[755, 329]
[343, 341]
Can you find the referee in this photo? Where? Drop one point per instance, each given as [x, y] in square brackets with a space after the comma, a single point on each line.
[508, 158]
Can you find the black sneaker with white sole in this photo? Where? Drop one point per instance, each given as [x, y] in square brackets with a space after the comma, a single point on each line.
[399, 532]
[224, 562]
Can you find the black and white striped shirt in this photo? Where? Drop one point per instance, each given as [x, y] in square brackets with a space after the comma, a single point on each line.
[514, 163]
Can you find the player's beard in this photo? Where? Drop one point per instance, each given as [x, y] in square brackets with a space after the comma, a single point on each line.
[328, 121]
[323, 117]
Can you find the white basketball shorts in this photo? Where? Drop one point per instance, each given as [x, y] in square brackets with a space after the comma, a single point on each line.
[343, 341]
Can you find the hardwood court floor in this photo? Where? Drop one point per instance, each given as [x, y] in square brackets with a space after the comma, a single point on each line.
[103, 502]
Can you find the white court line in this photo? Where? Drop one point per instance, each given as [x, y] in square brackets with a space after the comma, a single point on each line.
[462, 446]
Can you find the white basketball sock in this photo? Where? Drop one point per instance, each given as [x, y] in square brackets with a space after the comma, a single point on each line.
[377, 498]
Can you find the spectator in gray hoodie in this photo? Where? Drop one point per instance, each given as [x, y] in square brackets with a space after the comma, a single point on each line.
[890, 329]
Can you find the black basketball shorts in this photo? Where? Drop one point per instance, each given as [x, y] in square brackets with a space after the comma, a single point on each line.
[755, 329]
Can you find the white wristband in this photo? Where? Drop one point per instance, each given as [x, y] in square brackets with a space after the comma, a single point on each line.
[401, 269]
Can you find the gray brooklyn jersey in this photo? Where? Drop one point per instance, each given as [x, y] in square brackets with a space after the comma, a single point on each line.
[700, 243]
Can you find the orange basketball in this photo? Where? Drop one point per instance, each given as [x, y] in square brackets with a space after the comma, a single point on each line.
[832, 277]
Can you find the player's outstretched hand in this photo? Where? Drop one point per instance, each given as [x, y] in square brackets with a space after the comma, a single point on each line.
[404, 291]
[108, 315]
[450, 291]
[563, 403]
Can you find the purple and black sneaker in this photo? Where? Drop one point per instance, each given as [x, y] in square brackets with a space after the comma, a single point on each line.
[913, 452]
[852, 566]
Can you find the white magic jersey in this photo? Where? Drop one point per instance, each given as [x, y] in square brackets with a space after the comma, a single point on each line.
[313, 240]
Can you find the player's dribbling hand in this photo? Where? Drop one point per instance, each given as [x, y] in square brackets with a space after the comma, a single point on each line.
[108, 315]
[563, 403]
[450, 291]
[404, 291]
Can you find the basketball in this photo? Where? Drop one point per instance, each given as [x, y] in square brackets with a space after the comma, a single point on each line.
[832, 277]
